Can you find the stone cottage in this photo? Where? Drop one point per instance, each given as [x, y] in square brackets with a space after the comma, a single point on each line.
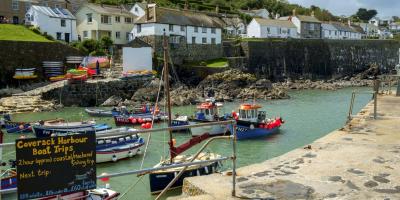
[191, 35]
[307, 26]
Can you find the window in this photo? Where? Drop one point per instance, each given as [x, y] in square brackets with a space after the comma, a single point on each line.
[268, 30]
[15, 5]
[117, 19]
[204, 40]
[89, 18]
[288, 31]
[109, 34]
[174, 39]
[85, 34]
[59, 36]
[204, 30]
[312, 27]
[139, 28]
[193, 40]
[136, 9]
[171, 27]
[27, 6]
[279, 30]
[128, 20]
[63, 23]
[105, 19]
[213, 30]
[213, 41]
[196, 29]
[127, 35]
[117, 35]
[182, 28]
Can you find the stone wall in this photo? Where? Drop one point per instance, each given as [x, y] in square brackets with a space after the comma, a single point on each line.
[20, 54]
[315, 58]
[184, 52]
[94, 93]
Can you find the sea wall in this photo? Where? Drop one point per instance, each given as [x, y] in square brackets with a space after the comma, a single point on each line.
[20, 54]
[184, 52]
[94, 92]
[316, 58]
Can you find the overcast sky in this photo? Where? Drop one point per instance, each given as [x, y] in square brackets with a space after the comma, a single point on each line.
[349, 7]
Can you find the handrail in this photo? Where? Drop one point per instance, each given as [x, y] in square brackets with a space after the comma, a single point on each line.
[227, 122]
[143, 170]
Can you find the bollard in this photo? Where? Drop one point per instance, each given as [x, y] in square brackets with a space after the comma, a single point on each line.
[376, 89]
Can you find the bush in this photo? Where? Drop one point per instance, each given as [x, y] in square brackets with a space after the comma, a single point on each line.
[99, 52]
[35, 30]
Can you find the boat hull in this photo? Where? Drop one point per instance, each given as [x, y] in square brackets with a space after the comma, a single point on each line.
[113, 155]
[9, 183]
[160, 180]
[16, 128]
[245, 132]
[211, 130]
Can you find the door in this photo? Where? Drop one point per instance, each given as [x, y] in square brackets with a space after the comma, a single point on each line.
[66, 37]
[15, 20]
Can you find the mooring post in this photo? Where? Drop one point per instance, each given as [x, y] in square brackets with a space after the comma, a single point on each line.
[234, 160]
[376, 90]
[398, 87]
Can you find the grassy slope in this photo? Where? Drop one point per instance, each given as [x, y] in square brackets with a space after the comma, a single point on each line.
[19, 33]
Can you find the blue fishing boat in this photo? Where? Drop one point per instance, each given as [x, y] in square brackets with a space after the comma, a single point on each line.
[115, 148]
[67, 128]
[144, 110]
[18, 127]
[180, 121]
[9, 179]
[252, 123]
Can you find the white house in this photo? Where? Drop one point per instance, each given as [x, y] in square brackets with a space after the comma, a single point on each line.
[329, 31]
[181, 26]
[258, 13]
[395, 27]
[139, 9]
[370, 30]
[57, 22]
[95, 21]
[271, 28]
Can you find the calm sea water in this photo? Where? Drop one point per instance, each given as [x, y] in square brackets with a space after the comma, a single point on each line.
[309, 115]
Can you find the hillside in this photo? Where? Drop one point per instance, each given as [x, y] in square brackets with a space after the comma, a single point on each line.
[19, 33]
[281, 7]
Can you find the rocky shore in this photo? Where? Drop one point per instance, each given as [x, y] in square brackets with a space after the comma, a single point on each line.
[234, 84]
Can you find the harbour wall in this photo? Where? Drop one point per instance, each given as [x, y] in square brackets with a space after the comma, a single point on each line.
[312, 58]
[94, 92]
[21, 54]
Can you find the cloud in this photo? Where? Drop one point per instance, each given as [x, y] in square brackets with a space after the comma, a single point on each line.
[349, 7]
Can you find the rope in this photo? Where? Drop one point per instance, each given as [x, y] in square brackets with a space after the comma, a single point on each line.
[152, 121]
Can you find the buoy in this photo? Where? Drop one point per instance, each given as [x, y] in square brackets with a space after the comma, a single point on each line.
[105, 179]
[114, 158]
[134, 121]
[148, 125]
[140, 120]
[143, 126]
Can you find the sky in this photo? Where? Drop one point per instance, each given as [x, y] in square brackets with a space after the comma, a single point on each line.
[385, 8]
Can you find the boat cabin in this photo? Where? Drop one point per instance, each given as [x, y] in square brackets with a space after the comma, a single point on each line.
[207, 111]
[250, 113]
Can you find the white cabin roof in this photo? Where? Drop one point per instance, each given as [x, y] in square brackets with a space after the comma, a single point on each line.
[54, 12]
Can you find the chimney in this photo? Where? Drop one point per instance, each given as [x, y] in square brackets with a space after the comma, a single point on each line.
[312, 13]
[186, 6]
[277, 16]
[217, 9]
[294, 12]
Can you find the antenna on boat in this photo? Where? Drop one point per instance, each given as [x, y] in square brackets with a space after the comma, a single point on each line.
[166, 88]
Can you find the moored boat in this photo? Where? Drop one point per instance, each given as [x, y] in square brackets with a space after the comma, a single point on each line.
[252, 123]
[208, 112]
[95, 194]
[9, 179]
[117, 147]
[68, 128]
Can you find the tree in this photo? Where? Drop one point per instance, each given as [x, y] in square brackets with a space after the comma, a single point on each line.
[365, 15]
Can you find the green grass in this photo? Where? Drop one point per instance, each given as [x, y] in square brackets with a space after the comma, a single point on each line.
[19, 33]
[220, 62]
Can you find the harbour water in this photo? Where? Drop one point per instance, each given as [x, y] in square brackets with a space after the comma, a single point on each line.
[309, 115]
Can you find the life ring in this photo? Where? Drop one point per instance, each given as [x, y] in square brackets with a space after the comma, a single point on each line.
[114, 158]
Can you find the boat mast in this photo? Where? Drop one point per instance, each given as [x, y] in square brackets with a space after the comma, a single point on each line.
[166, 87]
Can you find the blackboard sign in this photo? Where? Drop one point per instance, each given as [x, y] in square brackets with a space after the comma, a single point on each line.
[55, 165]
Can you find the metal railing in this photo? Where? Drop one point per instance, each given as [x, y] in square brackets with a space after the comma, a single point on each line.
[233, 137]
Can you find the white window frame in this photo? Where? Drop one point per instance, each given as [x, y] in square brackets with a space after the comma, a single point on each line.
[103, 17]
[15, 4]
[117, 19]
[213, 41]
[213, 30]
[196, 29]
[204, 40]
[89, 16]
[117, 35]
[204, 30]
[139, 28]
[128, 20]
[61, 23]
[85, 34]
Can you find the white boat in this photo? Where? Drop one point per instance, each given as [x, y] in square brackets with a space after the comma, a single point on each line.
[95, 194]
[112, 149]
[207, 112]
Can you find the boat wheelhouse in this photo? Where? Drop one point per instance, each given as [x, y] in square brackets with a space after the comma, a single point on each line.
[208, 112]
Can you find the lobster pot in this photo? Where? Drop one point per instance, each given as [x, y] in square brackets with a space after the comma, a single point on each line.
[53, 68]
[74, 59]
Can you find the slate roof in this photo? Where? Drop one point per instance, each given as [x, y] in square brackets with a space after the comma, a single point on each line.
[137, 43]
[342, 27]
[328, 26]
[109, 9]
[305, 18]
[54, 12]
[178, 17]
[275, 22]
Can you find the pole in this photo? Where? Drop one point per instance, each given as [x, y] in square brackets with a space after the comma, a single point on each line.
[166, 87]
[234, 160]
[351, 105]
[398, 87]
[376, 89]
